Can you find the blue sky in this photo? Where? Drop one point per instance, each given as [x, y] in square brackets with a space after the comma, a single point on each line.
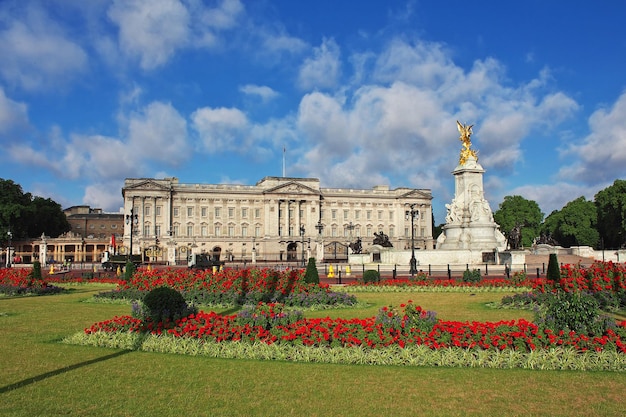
[358, 93]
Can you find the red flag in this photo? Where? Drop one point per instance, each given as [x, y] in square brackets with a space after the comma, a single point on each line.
[113, 243]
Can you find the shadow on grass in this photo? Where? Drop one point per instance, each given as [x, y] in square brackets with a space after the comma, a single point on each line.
[63, 370]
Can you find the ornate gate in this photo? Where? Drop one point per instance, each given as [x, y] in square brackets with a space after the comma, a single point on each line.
[335, 251]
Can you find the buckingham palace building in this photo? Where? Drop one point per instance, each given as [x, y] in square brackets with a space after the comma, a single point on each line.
[279, 219]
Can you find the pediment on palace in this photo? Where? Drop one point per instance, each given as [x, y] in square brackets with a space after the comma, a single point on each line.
[292, 187]
[417, 194]
[147, 185]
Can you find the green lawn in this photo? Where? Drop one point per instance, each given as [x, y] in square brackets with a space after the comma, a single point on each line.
[41, 377]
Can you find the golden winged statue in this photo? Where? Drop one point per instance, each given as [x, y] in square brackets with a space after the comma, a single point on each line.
[466, 133]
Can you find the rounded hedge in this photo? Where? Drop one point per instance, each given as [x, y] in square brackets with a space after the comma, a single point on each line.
[371, 275]
[164, 303]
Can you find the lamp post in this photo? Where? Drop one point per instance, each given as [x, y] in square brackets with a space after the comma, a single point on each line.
[302, 236]
[253, 256]
[412, 213]
[320, 227]
[132, 220]
[320, 242]
[10, 236]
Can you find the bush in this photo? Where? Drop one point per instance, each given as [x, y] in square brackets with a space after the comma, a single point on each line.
[36, 272]
[164, 304]
[371, 275]
[554, 271]
[578, 312]
[311, 276]
[471, 276]
[129, 271]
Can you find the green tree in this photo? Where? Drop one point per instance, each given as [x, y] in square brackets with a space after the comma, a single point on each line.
[611, 208]
[516, 210]
[46, 217]
[28, 216]
[574, 224]
[13, 209]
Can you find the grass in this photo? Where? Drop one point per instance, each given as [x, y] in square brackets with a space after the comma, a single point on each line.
[41, 377]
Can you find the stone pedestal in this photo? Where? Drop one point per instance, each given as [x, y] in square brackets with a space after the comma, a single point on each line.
[469, 220]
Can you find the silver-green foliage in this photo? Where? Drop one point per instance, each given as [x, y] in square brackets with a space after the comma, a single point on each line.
[413, 355]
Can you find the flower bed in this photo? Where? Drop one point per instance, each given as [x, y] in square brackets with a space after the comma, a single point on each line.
[600, 276]
[20, 281]
[389, 328]
[233, 287]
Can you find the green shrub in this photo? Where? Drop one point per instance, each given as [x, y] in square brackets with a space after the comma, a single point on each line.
[575, 311]
[371, 275]
[471, 276]
[164, 304]
[554, 271]
[311, 276]
[129, 271]
[36, 272]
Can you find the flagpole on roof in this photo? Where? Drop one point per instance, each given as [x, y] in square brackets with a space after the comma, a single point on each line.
[284, 151]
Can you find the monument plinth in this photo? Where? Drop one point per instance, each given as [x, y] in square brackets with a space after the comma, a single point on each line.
[469, 220]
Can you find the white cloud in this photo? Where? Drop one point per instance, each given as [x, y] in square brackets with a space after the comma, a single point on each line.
[13, 115]
[221, 129]
[402, 123]
[276, 42]
[323, 69]
[105, 195]
[154, 30]
[264, 92]
[155, 133]
[151, 30]
[159, 133]
[601, 156]
[37, 54]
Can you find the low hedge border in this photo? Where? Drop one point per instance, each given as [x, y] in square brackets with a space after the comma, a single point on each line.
[549, 359]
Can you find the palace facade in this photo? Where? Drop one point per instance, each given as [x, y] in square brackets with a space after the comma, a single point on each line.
[277, 219]
[91, 233]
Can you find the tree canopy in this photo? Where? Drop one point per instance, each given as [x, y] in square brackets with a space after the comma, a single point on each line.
[27, 216]
[611, 208]
[574, 224]
[518, 211]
